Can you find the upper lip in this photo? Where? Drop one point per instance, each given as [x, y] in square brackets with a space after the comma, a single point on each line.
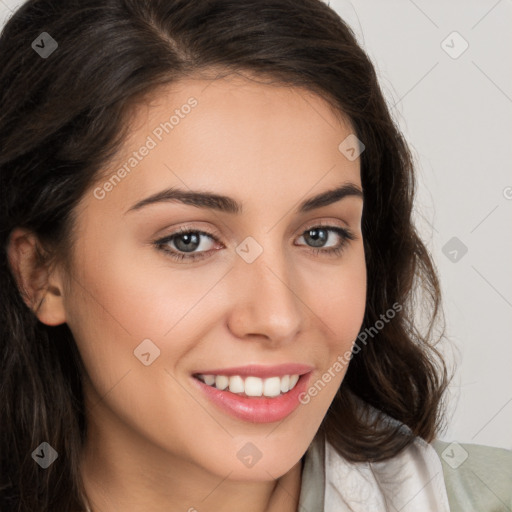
[260, 371]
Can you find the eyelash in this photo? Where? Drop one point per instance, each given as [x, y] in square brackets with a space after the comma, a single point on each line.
[161, 244]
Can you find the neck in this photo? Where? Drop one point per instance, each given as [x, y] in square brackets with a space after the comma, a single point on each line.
[124, 472]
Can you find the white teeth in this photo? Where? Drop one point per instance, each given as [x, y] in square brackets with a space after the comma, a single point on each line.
[209, 379]
[293, 380]
[272, 386]
[236, 384]
[252, 386]
[285, 383]
[221, 382]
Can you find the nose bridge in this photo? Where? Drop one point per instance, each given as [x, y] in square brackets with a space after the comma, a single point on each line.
[266, 301]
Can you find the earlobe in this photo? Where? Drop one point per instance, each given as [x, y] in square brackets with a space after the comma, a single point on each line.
[41, 290]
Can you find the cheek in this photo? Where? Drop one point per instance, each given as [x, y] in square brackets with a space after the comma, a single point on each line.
[338, 297]
[119, 304]
[122, 297]
[137, 292]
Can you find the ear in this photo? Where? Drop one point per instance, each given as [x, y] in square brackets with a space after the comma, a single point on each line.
[40, 288]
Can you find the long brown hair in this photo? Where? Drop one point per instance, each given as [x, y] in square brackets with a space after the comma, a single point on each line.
[63, 117]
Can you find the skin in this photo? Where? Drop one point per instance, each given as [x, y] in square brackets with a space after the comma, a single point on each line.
[155, 442]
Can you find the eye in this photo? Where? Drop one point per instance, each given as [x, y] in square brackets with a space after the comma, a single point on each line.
[318, 235]
[186, 241]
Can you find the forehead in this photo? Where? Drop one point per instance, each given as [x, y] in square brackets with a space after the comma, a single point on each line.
[233, 135]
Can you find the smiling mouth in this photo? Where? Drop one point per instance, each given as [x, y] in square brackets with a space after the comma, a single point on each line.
[255, 393]
[251, 386]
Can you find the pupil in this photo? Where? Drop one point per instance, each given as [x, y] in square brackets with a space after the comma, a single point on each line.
[189, 241]
[317, 239]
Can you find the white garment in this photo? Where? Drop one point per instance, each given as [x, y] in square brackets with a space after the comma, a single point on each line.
[412, 481]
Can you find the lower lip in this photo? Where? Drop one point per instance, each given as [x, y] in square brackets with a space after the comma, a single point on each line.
[256, 409]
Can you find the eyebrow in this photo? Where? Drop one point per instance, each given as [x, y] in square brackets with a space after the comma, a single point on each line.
[225, 204]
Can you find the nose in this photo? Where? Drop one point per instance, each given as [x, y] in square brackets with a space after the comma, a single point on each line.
[266, 302]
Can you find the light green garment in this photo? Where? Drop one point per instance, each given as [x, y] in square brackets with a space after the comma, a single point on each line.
[483, 480]
[477, 478]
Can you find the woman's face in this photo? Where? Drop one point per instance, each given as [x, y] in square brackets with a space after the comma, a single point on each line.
[258, 294]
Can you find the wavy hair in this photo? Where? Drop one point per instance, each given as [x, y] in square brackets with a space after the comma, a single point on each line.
[64, 117]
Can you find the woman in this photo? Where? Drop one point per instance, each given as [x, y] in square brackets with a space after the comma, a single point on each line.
[208, 267]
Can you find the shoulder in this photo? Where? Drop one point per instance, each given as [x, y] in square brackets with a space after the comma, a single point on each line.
[478, 478]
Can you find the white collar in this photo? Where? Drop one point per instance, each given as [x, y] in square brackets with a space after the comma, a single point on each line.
[412, 481]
